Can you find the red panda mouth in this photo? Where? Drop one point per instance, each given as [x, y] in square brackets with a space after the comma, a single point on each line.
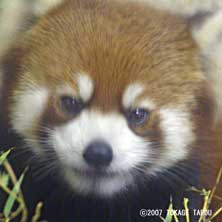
[94, 173]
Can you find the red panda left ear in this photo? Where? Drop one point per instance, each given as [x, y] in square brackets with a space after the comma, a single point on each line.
[206, 29]
[186, 8]
[207, 32]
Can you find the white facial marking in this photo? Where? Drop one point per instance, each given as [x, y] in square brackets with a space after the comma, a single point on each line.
[66, 89]
[85, 85]
[185, 7]
[178, 135]
[28, 107]
[131, 94]
[146, 103]
[70, 141]
[130, 150]
[209, 38]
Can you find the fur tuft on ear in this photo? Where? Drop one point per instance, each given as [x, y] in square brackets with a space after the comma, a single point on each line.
[208, 35]
[186, 7]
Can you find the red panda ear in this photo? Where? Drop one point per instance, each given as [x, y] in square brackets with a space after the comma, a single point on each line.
[185, 8]
[10, 66]
[10, 62]
[207, 32]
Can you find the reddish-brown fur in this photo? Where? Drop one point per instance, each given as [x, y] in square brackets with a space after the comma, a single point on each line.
[116, 46]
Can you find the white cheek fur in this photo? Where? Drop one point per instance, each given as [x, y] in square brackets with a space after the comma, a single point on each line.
[178, 135]
[71, 139]
[129, 149]
[28, 106]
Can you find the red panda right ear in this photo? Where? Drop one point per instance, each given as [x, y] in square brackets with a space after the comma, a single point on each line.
[10, 67]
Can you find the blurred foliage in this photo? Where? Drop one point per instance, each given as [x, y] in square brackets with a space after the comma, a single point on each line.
[14, 205]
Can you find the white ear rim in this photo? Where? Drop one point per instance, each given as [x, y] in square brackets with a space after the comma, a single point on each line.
[185, 7]
[209, 38]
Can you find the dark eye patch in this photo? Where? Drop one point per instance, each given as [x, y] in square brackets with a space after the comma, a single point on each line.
[137, 117]
[70, 105]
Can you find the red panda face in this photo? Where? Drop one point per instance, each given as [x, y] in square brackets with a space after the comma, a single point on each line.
[109, 88]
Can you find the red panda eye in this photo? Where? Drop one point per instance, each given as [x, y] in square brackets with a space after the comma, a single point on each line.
[71, 106]
[138, 116]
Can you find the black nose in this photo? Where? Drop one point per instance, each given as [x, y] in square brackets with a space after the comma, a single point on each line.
[98, 154]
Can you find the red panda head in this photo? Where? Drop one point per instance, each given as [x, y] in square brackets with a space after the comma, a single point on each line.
[113, 89]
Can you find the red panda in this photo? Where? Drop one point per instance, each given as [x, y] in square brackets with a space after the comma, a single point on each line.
[108, 104]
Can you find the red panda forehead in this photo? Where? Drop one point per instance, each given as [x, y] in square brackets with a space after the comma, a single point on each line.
[106, 82]
[146, 46]
[128, 36]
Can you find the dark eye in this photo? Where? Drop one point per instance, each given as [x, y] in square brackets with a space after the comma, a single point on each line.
[138, 116]
[71, 106]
